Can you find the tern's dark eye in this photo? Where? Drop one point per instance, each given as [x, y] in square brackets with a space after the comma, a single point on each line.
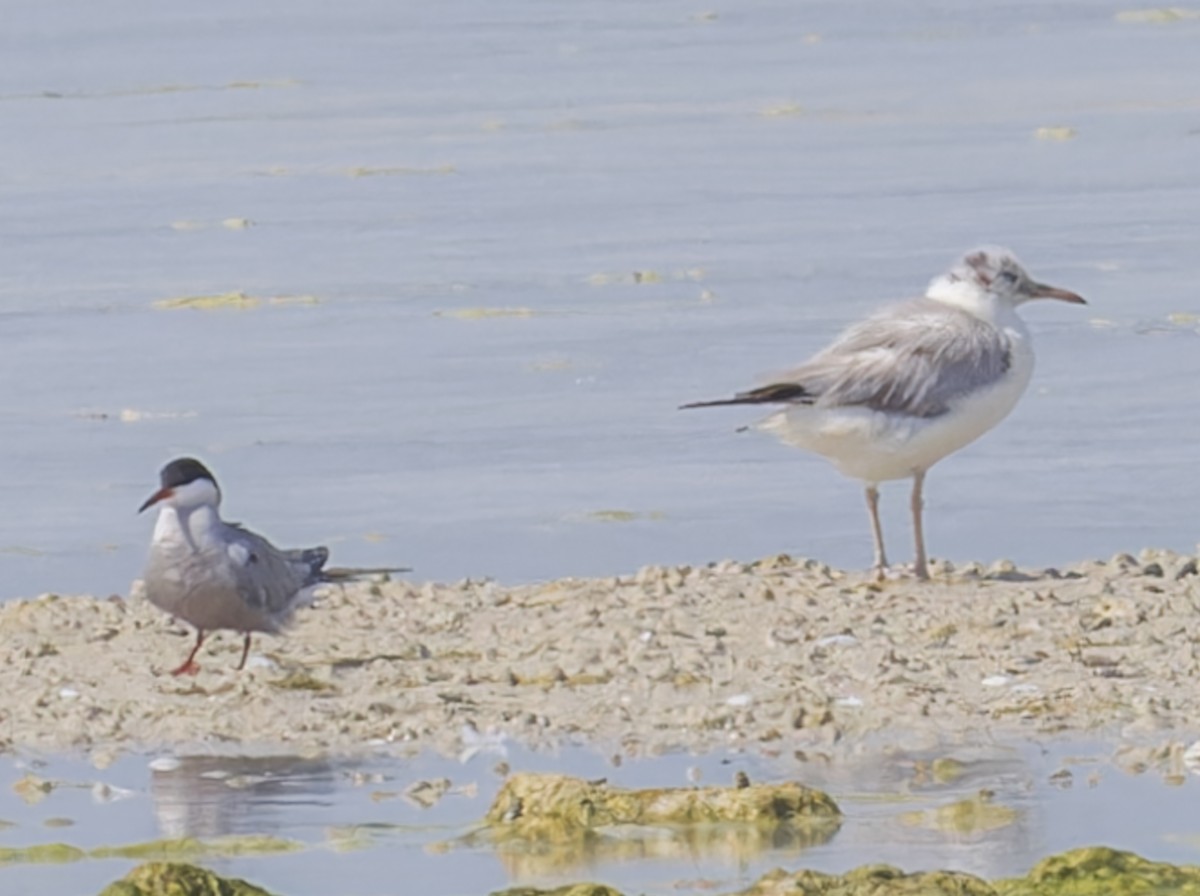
[1007, 277]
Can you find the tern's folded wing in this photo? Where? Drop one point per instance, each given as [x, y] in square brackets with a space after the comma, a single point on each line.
[268, 580]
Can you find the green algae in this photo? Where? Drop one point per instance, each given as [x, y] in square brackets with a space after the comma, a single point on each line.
[301, 680]
[486, 313]
[870, 880]
[397, 170]
[974, 815]
[941, 771]
[177, 879]
[1089, 871]
[191, 848]
[947, 770]
[41, 854]
[1056, 133]
[624, 516]
[1158, 16]
[185, 848]
[369, 834]
[1101, 871]
[235, 300]
[32, 789]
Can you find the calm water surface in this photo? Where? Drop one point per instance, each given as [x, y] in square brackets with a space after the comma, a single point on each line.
[767, 171]
[360, 837]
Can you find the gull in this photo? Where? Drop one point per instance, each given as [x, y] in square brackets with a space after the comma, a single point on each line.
[912, 383]
[218, 575]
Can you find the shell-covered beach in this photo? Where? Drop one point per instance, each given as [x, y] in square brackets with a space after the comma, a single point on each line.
[777, 654]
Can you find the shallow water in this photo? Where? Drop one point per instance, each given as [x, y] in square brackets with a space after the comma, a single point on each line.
[359, 834]
[768, 172]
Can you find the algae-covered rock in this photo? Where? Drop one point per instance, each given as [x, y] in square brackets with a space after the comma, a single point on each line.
[1091, 871]
[568, 890]
[547, 824]
[176, 879]
[870, 880]
[1101, 871]
[559, 806]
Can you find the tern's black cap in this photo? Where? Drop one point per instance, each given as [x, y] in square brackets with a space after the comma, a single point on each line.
[183, 470]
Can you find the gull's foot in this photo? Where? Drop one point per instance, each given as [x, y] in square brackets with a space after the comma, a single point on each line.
[896, 573]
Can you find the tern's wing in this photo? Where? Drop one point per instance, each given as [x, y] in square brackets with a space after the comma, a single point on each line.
[917, 358]
[268, 579]
[311, 562]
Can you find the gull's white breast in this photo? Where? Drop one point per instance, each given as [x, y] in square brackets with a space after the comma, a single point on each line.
[877, 446]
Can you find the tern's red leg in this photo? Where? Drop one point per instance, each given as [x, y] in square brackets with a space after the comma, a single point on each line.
[245, 652]
[189, 667]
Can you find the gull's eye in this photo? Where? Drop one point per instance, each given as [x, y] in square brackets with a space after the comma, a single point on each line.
[1008, 277]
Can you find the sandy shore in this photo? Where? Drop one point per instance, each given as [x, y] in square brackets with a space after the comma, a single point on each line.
[773, 655]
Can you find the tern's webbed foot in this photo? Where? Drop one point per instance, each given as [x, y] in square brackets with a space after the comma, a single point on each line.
[189, 667]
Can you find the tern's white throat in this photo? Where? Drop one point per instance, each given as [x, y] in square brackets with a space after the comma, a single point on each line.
[189, 513]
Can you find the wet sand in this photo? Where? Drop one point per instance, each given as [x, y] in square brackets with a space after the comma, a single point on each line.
[775, 655]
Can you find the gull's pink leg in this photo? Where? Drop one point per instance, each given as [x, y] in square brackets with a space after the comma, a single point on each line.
[920, 566]
[880, 565]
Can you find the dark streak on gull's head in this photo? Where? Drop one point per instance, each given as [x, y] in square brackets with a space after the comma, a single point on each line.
[177, 475]
[995, 271]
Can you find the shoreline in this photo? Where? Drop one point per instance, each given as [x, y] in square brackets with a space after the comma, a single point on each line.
[773, 655]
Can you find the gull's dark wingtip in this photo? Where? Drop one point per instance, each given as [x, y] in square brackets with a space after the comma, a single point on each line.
[708, 404]
[776, 393]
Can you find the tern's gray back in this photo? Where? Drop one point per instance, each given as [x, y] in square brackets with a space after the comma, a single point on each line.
[270, 579]
[240, 582]
[915, 358]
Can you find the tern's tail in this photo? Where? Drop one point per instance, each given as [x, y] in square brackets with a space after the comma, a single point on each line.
[313, 560]
[349, 573]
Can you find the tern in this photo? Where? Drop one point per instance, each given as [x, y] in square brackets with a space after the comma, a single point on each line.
[912, 383]
[218, 575]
